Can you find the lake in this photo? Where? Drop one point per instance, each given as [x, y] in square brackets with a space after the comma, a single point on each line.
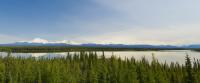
[162, 56]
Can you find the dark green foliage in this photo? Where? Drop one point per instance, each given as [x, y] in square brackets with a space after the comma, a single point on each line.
[37, 49]
[90, 68]
[188, 64]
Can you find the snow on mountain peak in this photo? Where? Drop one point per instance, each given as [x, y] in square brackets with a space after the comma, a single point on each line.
[40, 40]
[68, 42]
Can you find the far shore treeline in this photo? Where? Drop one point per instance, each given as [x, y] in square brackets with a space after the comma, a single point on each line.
[38, 49]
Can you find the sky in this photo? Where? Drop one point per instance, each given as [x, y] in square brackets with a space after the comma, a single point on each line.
[101, 21]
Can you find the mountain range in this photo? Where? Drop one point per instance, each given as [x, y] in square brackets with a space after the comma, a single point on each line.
[42, 42]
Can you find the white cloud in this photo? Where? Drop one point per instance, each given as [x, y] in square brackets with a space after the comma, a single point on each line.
[131, 22]
[155, 12]
[148, 22]
[177, 34]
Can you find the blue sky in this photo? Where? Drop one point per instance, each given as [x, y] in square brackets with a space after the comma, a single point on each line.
[101, 21]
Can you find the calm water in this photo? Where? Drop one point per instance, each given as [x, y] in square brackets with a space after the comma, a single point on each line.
[162, 56]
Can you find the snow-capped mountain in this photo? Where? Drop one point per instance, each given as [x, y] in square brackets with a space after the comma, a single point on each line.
[36, 40]
[43, 41]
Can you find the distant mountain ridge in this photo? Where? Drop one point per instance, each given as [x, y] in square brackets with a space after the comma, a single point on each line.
[43, 42]
[101, 45]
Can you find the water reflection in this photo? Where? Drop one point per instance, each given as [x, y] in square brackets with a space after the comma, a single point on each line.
[162, 56]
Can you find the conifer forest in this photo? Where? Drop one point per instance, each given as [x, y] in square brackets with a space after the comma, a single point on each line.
[90, 68]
